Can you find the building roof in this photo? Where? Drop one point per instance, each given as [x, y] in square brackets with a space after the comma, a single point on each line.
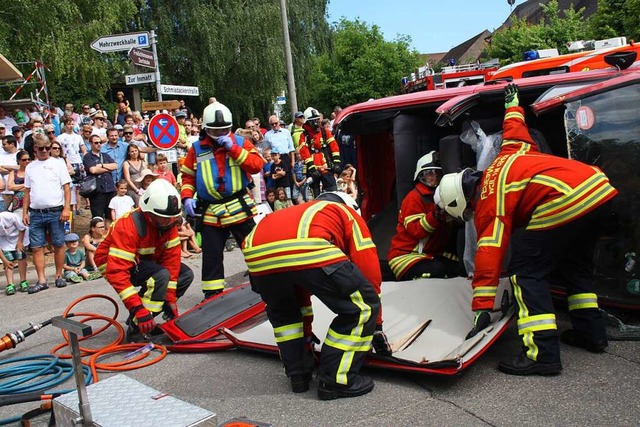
[532, 12]
[470, 50]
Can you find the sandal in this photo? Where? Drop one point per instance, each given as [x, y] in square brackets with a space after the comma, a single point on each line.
[11, 289]
[32, 289]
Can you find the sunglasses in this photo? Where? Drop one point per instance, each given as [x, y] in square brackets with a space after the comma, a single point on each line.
[97, 142]
[43, 148]
[55, 148]
[274, 123]
[51, 132]
[98, 118]
[25, 160]
[128, 133]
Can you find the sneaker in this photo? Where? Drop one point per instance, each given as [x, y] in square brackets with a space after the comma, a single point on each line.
[360, 385]
[300, 383]
[577, 339]
[75, 279]
[32, 289]
[60, 283]
[522, 365]
[11, 289]
[24, 285]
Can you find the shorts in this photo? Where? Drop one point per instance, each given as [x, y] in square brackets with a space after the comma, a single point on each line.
[15, 255]
[68, 274]
[41, 224]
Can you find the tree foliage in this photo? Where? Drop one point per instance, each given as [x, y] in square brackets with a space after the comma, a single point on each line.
[360, 66]
[510, 43]
[616, 18]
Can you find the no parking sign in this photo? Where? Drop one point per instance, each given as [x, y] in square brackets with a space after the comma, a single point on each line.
[163, 131]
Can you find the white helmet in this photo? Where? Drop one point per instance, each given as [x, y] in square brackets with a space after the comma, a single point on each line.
[162, 199]
[454, 192]
[216, 116]
[339, 197]
[426, 162]
[311, 114]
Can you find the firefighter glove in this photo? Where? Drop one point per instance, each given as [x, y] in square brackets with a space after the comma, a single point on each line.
[170, 310]
[225, 142]
[480, 321]
[144, 320]
[511, 95]
[439, 214]
[190, 207]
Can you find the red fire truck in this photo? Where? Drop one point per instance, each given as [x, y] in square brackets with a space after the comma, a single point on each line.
[425, 78]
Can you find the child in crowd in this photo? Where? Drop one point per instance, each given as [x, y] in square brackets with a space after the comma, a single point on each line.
[271, 199]
[162, 169]
[147, 176]
[91, 240]
[74, 261]
[12, 233]
[188, 238]
[281, 199]
[281, 174]
[121, 203]
[266, 169]
[300, 186]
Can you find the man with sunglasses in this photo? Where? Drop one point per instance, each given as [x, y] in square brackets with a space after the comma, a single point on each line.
[48, 198]
[424, 244]
[101, 165]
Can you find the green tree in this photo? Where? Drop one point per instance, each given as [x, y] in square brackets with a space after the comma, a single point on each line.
[360, 66]
[616, 18]
[510, 43]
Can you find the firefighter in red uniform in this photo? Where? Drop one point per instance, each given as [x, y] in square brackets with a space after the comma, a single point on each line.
[323, 248]
[424, 243]
[142, 249]
[218, 170]
[320, 153]
[561, 204]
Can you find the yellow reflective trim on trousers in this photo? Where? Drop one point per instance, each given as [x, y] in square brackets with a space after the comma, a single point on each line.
[514, 115]
[308, 244]
[288, 332]
[365, 312]
[208, 179]
[172, 284]
[127, 292]
[119, 253]
[347, 342]
[582, 301]
[172, 243]
[212, 285]
[495, 239]
[306, 311]
[307, 218]
[485, 291]
[539, 322]
[400, 263]
[296, 259]
[523, 312]
[146, 251]
[425, 224]
[410, 218]
[147, 298]
[344, 367]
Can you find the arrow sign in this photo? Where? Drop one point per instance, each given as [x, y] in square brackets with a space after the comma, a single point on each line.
[138, 79]
[119, 42]
[163, 131]
[142, 58]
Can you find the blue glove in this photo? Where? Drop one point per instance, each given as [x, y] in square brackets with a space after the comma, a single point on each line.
[225, 142]
[190, 207]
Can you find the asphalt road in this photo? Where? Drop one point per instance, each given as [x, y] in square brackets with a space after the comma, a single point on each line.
[594, 390]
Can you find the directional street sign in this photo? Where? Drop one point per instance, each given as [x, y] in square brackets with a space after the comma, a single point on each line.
[160, 105]
[163, 131]
[142, 58]
[180, 90]
[119, 42]
[138, 79]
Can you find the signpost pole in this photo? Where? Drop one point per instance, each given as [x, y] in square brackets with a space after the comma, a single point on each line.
[155, 55]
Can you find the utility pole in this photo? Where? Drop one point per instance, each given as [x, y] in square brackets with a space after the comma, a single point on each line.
[291, 83]
[155, 55]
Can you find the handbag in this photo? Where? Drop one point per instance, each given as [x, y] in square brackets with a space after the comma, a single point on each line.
[89, 184]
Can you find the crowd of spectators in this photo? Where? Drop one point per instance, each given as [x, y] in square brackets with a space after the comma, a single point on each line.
[69, 145]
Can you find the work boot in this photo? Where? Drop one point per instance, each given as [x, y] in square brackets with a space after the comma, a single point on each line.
[522, 365]
[380, 344]
[11, 289]
[211, 294]
[577, 339]
[360, 385]
[300, 383]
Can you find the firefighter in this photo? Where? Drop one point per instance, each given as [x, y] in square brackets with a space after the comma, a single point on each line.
[142, 249]
[424, 243]
[560, 205]
[218, 169]
[320, 153]
[322, 248]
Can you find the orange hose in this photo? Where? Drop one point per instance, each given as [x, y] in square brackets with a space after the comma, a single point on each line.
[115, 346]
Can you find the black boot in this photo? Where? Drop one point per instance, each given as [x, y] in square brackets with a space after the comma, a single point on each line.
[211, 294]
[360, 385]
[522, 365]
[577, 339]
[300, 383]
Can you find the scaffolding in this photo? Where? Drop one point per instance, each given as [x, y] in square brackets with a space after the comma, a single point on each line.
[38, 97]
